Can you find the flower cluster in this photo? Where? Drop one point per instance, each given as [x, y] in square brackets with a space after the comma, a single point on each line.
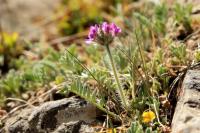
[103, 34]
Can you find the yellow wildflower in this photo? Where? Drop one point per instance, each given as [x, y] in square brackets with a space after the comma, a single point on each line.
[59, 79]
[111, 130]
[10, 39]
[148, 116]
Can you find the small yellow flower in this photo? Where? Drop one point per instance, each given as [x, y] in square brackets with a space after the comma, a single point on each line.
[111, 130]
[148, 116]
[10, 39]
[59, 79]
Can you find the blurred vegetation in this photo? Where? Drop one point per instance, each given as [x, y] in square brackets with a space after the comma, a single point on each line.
[10, 50]
[80, 14]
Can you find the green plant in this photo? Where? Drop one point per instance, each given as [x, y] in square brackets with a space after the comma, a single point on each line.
[183, 15]
[30, 75]
[160, 18]
[11, 84]
[125, 76]
[197, 55]
[9, 51]
[81, 90]
[78, 15]
[135, 128]
[179, 52]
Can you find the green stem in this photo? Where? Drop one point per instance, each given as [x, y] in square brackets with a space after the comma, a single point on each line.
[141, 54]
[144, 64]
[116, 77]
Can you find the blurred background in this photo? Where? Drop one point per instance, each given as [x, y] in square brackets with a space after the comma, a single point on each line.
[33, 18]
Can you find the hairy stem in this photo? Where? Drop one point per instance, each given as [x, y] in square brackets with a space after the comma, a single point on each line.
[116, 77]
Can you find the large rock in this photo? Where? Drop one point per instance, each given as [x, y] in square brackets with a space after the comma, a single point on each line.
[187, 113]
[74, 127]
[66, 115]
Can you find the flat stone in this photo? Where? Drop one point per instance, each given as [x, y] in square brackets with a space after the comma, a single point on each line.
[52, 115]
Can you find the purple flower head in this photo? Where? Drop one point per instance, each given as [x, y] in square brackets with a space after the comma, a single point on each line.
[92, 34]
[115, 30]
[105, 28]
[103, 34]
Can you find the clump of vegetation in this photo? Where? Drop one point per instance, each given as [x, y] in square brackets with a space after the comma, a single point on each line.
[9, 51]
[74, 20]
[182, 16]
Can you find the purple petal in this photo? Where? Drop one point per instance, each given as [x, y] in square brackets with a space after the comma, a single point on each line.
[115, 30]
[93, 32]
[89, 41]
[105, 27]
[91, 35]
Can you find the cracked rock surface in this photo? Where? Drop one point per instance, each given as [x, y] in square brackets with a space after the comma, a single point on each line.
[187, 113]
[69, 115]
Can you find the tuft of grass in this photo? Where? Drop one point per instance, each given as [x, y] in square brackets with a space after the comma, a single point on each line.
[182, 15]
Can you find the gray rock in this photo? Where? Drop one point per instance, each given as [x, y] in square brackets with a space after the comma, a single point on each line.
[187, 113]
[53, 116]
[74, 127]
